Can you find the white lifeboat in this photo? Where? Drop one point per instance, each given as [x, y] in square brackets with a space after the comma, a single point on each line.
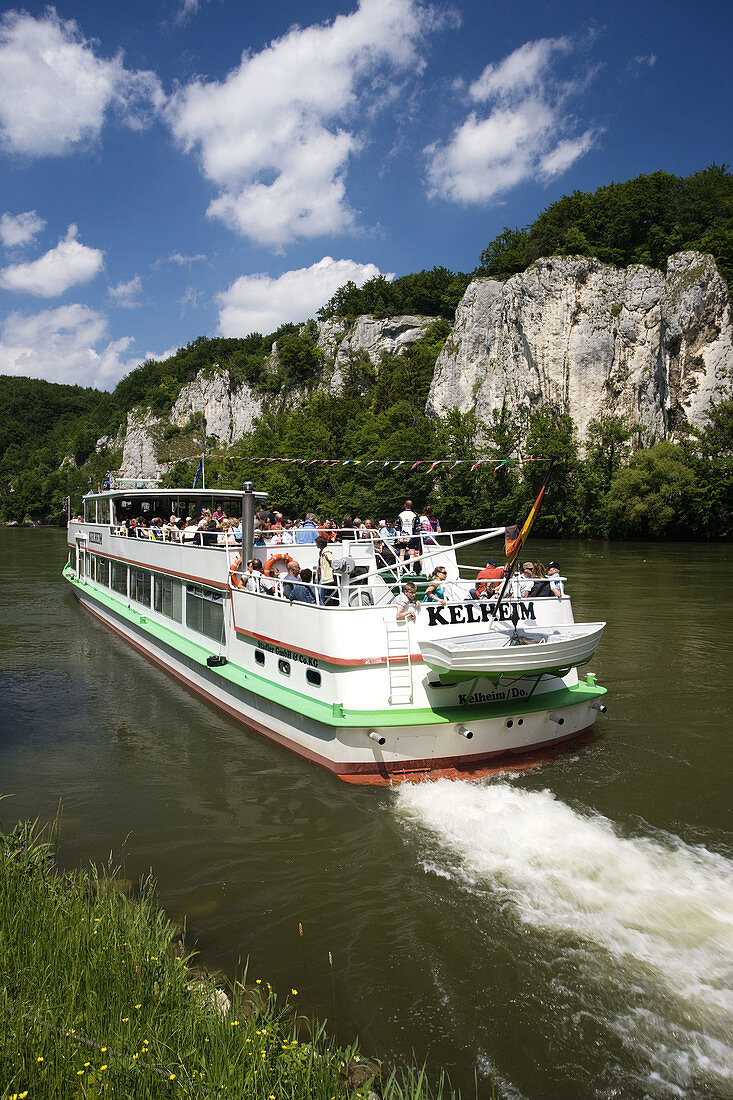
[513, 651]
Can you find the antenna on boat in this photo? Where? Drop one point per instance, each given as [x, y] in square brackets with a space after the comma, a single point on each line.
[248, 521]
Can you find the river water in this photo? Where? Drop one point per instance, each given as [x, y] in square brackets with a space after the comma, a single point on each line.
[566, 932]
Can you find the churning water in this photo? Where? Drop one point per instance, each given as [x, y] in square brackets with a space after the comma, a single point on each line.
[646, 919]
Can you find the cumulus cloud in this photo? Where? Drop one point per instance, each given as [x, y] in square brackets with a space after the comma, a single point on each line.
[275, 136]
[19, 229]
[259, 303]
[68, 344]
[519, 129]
[55, 91]
[64, 266]
[127, 295]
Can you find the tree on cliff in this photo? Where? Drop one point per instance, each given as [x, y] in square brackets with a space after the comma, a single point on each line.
[640, 221]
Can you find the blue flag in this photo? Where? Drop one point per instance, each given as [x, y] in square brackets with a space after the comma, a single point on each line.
[198, 471]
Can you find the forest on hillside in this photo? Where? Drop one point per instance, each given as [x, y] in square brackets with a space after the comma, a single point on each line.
[49, 432]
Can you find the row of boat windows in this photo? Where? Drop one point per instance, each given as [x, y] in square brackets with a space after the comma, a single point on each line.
[312, 676]
[204, 607]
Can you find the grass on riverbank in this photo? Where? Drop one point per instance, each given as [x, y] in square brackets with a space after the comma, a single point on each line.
[99, 997]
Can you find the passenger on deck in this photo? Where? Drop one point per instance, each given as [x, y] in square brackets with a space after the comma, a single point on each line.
[406, 602]
[308, 533]
[434, 592]
[291, 577]
[219, 513]
[527, 579]
[557, 588]
[305, 592]
[328, 588]
[347, 532]
[384, 557]
[492, 571]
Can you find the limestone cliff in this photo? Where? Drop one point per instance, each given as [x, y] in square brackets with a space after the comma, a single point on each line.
[584, 337]
[592, 340]
[212, 411]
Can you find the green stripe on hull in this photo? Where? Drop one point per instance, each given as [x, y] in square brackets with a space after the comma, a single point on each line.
[330, 714]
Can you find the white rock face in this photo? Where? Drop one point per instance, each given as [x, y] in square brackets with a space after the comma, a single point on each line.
[391, 335]
[229, 413]
[140, 449]
[591, 340]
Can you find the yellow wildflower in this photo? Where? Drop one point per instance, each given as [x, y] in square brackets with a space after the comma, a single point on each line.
[294, 992]
[172, 1077]
[102, 1067]
[39, 1059]
[235, 1023]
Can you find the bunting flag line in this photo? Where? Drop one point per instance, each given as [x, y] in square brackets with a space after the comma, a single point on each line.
[417, 465]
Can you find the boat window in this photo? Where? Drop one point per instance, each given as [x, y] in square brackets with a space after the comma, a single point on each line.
[118, 580]
[284, 666]
[140, 585]
[259, 657]
[205, 611]
[103, 511]
[313, 677]
[102, 571]
[90, 511]
[167, 596]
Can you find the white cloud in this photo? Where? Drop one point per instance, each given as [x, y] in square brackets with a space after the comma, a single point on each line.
[260, 303]
[181, 260]
[68, 344]
[523, 131]
[54, 90]
[17, 230]
[127, 295]
[274, 135]
[69, 263]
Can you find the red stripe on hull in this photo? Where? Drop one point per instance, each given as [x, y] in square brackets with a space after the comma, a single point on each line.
[378, 773]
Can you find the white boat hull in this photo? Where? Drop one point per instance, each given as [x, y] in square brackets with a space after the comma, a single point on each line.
[480, 743]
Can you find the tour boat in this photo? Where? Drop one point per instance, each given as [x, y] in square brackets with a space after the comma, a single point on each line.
[463, 688]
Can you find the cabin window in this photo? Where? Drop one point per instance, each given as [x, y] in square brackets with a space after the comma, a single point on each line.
[259, 657]
[103, 511]
[313, 677]
[89, 564]
[205, 611]
[90, 511]
[140, 585]
[102, 570]
[284, 666]
[118, 578]
[167, 595]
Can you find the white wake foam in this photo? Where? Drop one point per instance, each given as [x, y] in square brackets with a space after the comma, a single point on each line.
[660, 911]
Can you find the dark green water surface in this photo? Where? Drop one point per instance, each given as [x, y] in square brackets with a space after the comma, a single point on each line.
[569, 930]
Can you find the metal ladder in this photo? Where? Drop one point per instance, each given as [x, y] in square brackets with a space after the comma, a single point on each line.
[399, 663]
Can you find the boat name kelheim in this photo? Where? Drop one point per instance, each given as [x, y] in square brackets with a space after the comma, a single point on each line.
[476, 613]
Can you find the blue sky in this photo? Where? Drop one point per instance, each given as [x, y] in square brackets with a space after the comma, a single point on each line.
[201, 167]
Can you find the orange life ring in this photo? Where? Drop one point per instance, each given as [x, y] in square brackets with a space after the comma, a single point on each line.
[276, 557]
[234, 575]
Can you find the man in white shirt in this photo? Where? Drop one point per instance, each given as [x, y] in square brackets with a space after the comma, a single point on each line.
[553, 575]
[409, 539]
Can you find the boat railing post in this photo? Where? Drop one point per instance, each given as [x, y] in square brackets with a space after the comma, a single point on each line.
[248, 521]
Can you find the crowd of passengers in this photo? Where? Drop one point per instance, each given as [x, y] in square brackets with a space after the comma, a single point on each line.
[398, 544]
[400, 540]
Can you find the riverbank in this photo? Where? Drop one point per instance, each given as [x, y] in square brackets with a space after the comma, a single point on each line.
[100, 994]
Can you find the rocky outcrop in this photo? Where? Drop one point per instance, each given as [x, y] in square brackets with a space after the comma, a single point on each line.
[339, 341]
[140, 449]
[228, 413]
[592, 340]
